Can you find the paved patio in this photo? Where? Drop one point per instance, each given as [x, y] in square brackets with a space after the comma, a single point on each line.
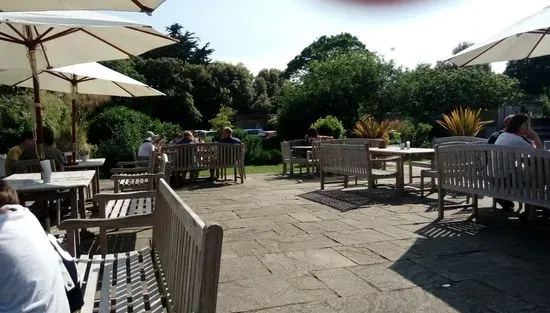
[283, 253]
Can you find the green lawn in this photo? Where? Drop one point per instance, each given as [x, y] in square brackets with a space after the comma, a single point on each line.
[252, 169]
[268, 169]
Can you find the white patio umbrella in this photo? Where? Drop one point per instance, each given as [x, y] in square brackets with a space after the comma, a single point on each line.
[529, 38]
[146, 6]
[46, 40]
[87, 78]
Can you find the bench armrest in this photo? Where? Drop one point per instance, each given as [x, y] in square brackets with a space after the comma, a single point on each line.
[151, 177]
[132, 163]
[73, 225]
[129, 170]
[386, 159]
[123, 195]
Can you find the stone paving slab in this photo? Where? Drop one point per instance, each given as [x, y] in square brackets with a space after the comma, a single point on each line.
[282, 253]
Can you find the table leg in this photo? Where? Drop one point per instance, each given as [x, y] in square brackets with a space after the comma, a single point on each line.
[432, 166]
[74, 214]
[81, 202]
[95, 187]
[402, 172]
[46, 214]
[410, 169]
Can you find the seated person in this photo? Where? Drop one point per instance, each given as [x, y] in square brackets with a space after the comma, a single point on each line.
[147, 147]
[177, 137]
[187, 138]
[50, 151]
[311, 136]
[514, 136]
[14, 154]
[227, 136]
[31, 279]
[517, 130]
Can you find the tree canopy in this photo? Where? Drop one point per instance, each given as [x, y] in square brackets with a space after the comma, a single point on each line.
[533, 74]
[321, 49]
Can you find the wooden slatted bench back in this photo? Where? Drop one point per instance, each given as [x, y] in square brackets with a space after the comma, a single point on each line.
[179, 273]
[286, 151]
[189, 252]
[457, 140]
[162, 168]
[205, 156]
[344, 159]
[514, 174]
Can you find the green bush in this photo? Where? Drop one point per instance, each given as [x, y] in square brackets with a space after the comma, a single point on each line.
[329, 126]
[418, 134]
[258, 150]
[119, 131]
[15, 117]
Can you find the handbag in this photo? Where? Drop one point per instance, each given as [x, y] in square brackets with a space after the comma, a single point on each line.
[69, 272]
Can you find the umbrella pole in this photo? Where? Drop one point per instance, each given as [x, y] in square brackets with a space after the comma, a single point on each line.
[37, 105]
[73, 115]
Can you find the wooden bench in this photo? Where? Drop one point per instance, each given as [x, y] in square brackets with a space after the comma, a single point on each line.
[140, 178]
[294, 157]
[207, 156]
[430, 167]
[178, 273]
[356, 160]
[521, 175]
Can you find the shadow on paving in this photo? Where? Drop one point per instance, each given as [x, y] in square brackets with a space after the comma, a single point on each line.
[201, 184]
[498, 264]
[353, 198]
[117, 243]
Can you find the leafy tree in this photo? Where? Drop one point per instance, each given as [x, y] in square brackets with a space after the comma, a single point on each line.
[187, 49]
[168, 75]
[15, 117]
[321, 49]
[267, 88]
[119, 131]
[533, 74]
[232, 85]
[329, 126]
[126, 67]
[462, 46]
[224, 118]
[343, 86]
[425, 93]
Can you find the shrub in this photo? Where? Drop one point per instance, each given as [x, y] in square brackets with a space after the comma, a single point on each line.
[329, 126]
[417, 133]
[463, 122]
[15, 117]
[223, 118]
[258, 150]
[119, 131]
[369, 127]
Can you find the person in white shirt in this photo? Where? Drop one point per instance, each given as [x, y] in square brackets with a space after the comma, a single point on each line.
[517, 130]
[145, 149]
[30, 275]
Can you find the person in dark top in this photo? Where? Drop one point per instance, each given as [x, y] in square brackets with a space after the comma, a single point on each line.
[227, 136]
[311, 136]
[187, 138]
[50, 151]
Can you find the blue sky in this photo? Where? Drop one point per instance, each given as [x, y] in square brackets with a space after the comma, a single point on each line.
[269, 33]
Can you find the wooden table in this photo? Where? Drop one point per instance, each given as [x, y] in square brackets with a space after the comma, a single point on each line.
[405, 153]
[90, 164]
[302, 147]
[31, 186]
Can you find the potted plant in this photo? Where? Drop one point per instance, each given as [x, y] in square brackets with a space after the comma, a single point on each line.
[463, 122]
[369, 127]
[84, 151]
